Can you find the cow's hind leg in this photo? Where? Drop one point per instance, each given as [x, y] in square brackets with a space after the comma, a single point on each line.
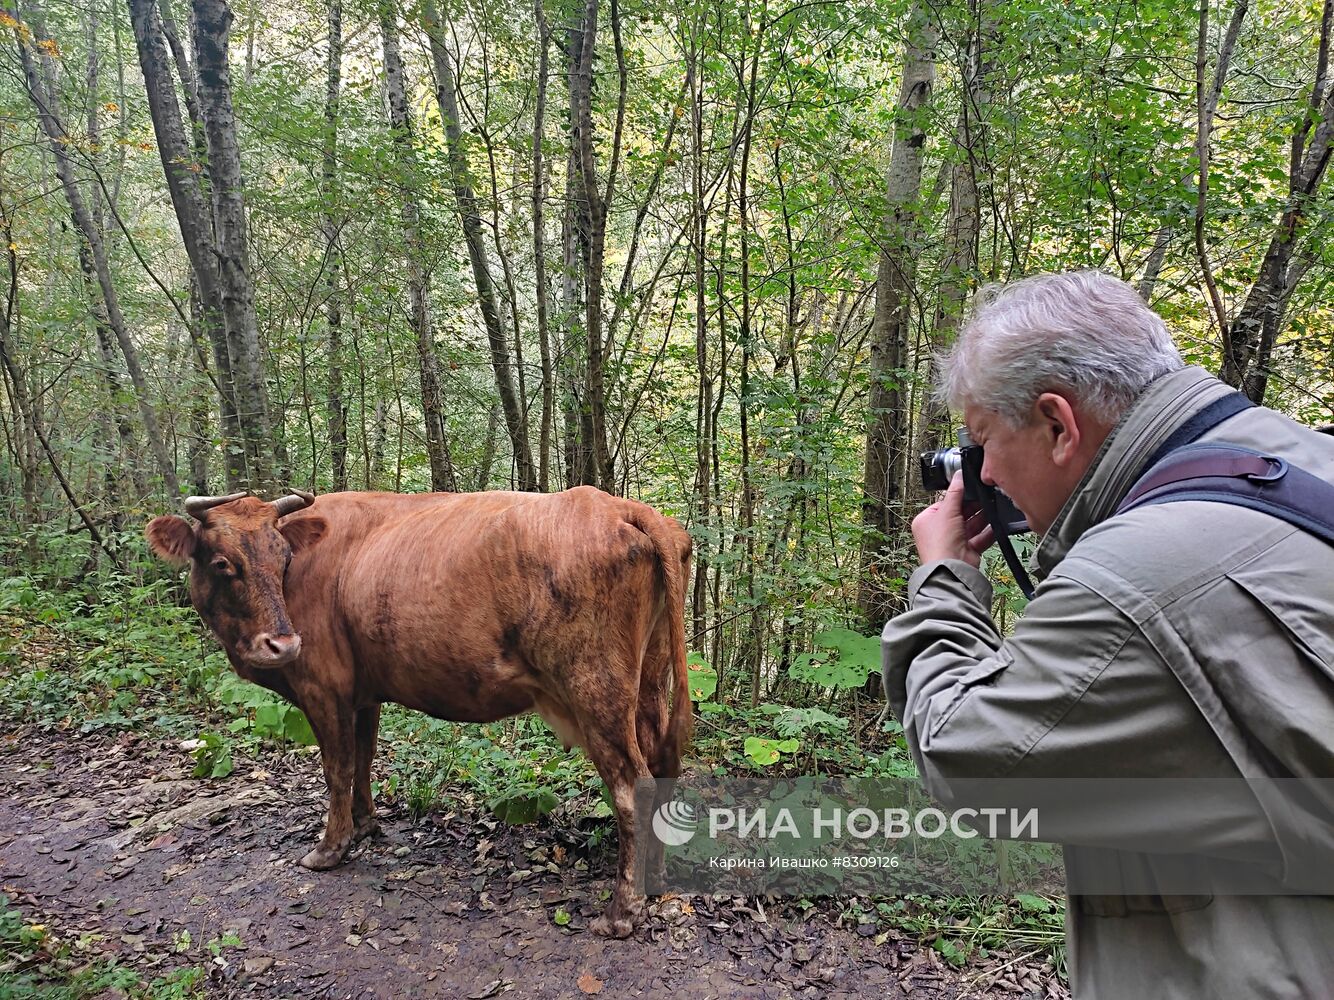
[654, 731]
[611, 743]
[333, 725]
[364, 823]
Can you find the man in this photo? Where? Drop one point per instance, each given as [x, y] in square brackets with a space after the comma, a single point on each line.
[1189, 639]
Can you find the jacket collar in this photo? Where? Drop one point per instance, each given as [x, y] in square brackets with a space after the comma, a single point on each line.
[1165, 405]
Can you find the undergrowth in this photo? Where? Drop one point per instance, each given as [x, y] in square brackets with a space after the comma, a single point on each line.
[36, 963]
[130, 654]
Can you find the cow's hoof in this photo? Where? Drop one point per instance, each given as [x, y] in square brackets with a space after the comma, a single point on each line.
[321, 859]
[368, 827]
[621, 918]
[606, 926]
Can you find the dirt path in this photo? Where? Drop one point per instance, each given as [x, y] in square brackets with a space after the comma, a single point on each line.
[110, 835]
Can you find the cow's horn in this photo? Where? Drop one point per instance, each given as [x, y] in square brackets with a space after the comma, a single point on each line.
[194, 506]
[300, 500]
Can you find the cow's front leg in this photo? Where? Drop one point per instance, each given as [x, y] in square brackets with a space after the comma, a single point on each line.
[364, 823]
[333, 725]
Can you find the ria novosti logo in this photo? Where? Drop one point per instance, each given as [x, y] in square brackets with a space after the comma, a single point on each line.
[674, 823]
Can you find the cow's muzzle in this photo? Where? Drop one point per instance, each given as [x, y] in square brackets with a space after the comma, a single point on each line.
[271, 650]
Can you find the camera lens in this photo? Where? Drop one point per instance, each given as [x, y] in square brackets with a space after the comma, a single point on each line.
[939, 467]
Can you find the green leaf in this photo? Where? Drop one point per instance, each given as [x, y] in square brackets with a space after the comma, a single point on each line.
[296, 727]
[702, 677]
[269, 719]
[855, 657]
[1033, 904]
[214, 758]
[765, 752]
[524, 807]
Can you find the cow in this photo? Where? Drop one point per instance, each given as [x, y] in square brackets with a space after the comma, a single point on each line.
[469, 607]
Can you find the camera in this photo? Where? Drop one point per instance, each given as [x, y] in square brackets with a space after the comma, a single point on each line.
[939, 467]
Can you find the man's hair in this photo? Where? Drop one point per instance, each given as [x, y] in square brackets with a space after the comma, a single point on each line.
[1084, 333]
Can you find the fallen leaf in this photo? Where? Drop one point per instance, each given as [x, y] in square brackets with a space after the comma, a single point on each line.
[589, 983]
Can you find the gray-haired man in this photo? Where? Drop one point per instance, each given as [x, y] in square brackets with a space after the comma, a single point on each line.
[1184, 640]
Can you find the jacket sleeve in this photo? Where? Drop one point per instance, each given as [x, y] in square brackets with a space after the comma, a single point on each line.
[1078, 691]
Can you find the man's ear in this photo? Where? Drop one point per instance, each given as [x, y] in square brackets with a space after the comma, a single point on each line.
[304, 533]
[171, 538]
[1060, 425]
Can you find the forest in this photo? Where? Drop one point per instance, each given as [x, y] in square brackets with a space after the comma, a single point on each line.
[703, 254]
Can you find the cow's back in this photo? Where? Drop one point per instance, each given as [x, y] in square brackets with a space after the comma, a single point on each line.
[467, 605]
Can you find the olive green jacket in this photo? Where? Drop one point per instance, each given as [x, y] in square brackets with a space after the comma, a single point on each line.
[1188, 639]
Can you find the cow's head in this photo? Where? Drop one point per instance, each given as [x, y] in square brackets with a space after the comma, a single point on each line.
[238, 555]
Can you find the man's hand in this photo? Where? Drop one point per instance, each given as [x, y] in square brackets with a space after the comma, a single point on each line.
[943, 532]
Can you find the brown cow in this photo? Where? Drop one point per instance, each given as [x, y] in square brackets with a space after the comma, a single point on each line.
[469, 607]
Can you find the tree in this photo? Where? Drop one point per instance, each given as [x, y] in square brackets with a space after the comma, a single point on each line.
[212, 24]
[470, 218]
[1249, 342]
[886, 424]
[39, 70]
[333, 307]
[428, 365]
[183, 170]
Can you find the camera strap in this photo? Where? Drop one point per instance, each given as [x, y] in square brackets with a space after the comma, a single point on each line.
[1001, 528]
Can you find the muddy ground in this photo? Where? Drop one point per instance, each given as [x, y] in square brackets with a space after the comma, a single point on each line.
[110, 835]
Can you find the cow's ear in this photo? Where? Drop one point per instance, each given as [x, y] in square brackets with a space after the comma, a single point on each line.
[303, 533]
[171, 538]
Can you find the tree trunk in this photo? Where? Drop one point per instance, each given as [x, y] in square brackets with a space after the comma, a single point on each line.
[199, 408]
[212, 22]
[42, 89]
[182, 169]
[333, 304]
[437, 443]
[969, 170]
[593, 216]
[116, 413]
[116, 396]
[576, 421]
[1253, 334]
[704, 377]
[1153, 265]
[540, 250]
[882, 517]
[471, 221]
[753, 648]
[489, 452]
[25, 413]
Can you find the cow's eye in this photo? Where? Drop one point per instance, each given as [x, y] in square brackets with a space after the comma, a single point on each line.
[221, 565]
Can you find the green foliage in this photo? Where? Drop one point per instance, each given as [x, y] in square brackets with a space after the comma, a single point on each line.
[960, 928]
[261, 713]
[764, 752]
[848, 660]
[213, 757]
[703, 678]
[516, 768]
[36, 964]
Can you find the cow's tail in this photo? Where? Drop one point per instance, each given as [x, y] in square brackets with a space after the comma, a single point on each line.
[673, 559]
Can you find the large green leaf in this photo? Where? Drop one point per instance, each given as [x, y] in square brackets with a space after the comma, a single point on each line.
[845, 662]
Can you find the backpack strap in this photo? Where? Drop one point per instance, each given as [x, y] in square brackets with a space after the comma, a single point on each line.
[1228, 473]
[1206, 420]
